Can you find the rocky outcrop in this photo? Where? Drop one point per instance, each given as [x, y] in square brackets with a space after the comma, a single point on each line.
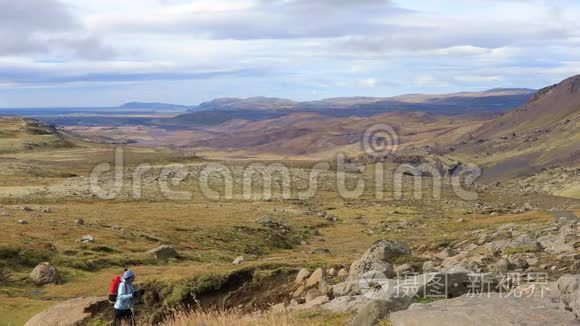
[377, 258]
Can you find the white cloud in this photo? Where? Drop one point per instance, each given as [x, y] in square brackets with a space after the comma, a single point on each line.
[368, 83]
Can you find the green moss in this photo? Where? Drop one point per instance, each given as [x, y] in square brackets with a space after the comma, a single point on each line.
[209, 283]
[407, 260]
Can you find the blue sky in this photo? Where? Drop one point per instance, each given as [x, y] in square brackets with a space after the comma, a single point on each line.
[107, 52]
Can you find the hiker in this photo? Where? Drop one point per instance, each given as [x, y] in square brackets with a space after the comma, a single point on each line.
[124, 302]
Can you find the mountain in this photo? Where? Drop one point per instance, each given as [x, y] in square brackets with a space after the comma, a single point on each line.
[543, 133]
[156, 106]
[251, 103]
[222, 110]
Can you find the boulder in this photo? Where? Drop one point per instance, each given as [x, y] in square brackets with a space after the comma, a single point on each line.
[376, 310]
[46, 210]
[78, 311]
[488, 309]
[502, 266]
[315, 278]
[164, 252]
[44, 273]
[79, 221]
[523, 243]
[239, 260]
[377, 258]
[22, 222]
[320, 251]
[347, 303]
[428, 266]
[342, 273]
[86, 239]
[446, 253]
[302, 275]
[568, 287]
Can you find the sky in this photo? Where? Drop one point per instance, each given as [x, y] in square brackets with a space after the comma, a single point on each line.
[107, 52]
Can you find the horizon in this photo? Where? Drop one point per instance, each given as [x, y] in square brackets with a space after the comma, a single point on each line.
[100, 53]
[263, 96]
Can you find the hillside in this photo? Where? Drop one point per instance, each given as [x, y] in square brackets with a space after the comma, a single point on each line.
[543, 133]
[19, 134]
[263, 108]
[315, 134]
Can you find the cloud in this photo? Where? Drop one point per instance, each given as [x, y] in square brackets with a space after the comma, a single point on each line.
[368, 83]
[45, 27]
[261, 19]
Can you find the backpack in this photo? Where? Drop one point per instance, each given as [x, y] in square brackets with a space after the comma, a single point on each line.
[114, 288]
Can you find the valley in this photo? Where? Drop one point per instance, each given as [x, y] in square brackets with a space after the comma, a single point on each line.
[228, 213]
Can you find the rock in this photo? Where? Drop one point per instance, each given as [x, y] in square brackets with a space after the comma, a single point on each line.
[22, 222]
[79, 221]
[320, 251]
[569, 290]
[460, 220]
[44, 273]
[302, 275]
[564, 241]
[278, 308]
[564, 217]
[331, 272]
[27, 209]
[315, 278]
[273, 223]
[343, 272]
[345, 288]
[314, 303]
[46, 210]
[523, 243]
[489, 309]
[527, 207]
[86, 239]
[517, 263]
[377, 310]
[348, 303]
[299, 291]
[164, 252]
[446, 253]
[331, 218]
[428, 266]
[502, 266]
[78, 311]
[239, 260]
[377, 258]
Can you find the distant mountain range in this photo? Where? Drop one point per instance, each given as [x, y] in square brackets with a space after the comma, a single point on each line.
[261, 108]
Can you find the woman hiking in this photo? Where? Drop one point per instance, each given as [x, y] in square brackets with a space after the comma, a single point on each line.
[124, 303]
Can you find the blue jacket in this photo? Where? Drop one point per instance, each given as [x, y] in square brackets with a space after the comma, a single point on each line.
[124, 296]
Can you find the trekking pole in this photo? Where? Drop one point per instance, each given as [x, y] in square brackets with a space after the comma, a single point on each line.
[133, 323]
